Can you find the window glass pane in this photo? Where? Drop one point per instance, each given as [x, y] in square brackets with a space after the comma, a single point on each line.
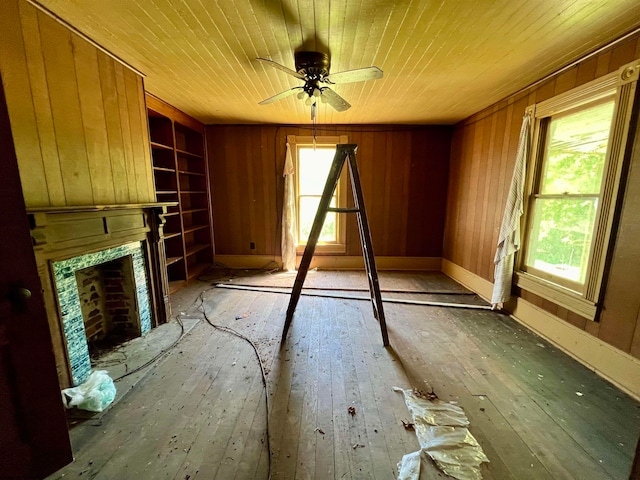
[576, 149]
[308, 208]
[313, 169]
[560, 236]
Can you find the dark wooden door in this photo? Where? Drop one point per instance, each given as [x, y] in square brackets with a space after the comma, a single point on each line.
[34, 439]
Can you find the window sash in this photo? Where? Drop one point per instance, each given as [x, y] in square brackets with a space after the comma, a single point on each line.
[529, 264]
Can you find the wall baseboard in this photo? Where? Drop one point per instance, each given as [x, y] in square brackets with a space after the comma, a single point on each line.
[332, 262]
[474, 282]
[613, 364]
[251, 262]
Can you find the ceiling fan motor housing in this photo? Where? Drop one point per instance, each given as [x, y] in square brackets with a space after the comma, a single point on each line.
[314, 65]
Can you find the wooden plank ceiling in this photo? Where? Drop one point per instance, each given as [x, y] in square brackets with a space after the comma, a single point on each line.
[442, 60]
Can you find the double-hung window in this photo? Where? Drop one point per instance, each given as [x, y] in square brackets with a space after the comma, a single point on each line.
[579, 141]
[312, 160]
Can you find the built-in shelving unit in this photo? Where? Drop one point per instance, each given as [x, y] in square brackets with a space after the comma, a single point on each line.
[181, 175]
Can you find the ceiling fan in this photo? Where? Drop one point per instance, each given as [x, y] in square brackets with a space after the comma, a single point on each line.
[313, 68]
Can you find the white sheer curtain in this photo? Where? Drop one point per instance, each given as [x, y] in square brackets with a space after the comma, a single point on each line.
[509, 238]
[289, 230]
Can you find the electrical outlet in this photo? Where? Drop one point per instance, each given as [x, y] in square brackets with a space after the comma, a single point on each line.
[252, 245]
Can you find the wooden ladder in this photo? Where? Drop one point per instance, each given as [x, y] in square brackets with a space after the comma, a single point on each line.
[343, 152]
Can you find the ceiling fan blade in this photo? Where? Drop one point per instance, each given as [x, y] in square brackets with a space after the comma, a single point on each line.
[357, 75]
[281, 67]
[335, 100]
[280, 96]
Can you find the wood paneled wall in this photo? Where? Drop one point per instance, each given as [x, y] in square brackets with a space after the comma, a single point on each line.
[403, 173]
[482, 160]
[77, 115]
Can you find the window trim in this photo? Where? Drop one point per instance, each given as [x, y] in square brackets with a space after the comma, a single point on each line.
[622, 85]
[340, 246]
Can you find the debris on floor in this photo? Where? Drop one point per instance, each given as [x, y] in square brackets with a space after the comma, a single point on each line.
[408, 425]
[94, 395]
[443, 434]
[430, 395]
[351, 410]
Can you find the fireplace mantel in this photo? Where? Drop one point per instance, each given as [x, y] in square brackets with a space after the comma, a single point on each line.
[60, 233]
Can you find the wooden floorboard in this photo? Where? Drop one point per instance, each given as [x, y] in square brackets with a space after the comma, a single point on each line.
[200, 413]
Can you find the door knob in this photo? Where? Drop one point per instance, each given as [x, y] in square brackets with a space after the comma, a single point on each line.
[19, 295]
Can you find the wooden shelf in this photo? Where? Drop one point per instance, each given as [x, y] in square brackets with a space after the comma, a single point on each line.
[181, 173]
[161, 146]
[189, 154]
[193, 249]
[195, 210]
[194, 228]
[172, 260]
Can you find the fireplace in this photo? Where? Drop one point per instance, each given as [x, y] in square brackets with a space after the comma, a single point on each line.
[98, 292]
[103, 273]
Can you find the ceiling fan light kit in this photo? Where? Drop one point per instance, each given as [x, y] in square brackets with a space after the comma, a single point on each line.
[314, 69]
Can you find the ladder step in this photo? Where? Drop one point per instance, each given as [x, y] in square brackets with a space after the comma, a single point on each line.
[343, 210]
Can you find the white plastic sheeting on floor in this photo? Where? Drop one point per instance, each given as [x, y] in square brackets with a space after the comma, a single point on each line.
[442, 432]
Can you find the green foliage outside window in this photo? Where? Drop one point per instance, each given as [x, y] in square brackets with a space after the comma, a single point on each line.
[564, 210]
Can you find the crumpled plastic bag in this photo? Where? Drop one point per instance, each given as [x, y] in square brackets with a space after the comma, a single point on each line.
[442, 432]
[94, 395]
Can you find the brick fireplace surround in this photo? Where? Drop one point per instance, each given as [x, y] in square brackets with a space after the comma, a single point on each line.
[69, 239]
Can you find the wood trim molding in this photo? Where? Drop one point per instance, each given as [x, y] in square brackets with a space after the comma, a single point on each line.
[333, 262]
[613, 364]
[589, 92]
[558, 295]
[473, 282]
[158, 105]
[251, 262]
[352, 262]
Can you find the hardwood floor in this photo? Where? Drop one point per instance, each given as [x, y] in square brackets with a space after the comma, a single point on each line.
[201, 413]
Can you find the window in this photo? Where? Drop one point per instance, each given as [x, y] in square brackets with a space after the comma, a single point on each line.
[579, 143]
[312, 164]
[566, 199]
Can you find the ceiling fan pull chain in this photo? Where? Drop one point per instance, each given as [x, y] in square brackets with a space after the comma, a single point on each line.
[313, 121]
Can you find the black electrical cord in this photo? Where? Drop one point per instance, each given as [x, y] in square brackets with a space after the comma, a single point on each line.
[264, 375]
[224, 329]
